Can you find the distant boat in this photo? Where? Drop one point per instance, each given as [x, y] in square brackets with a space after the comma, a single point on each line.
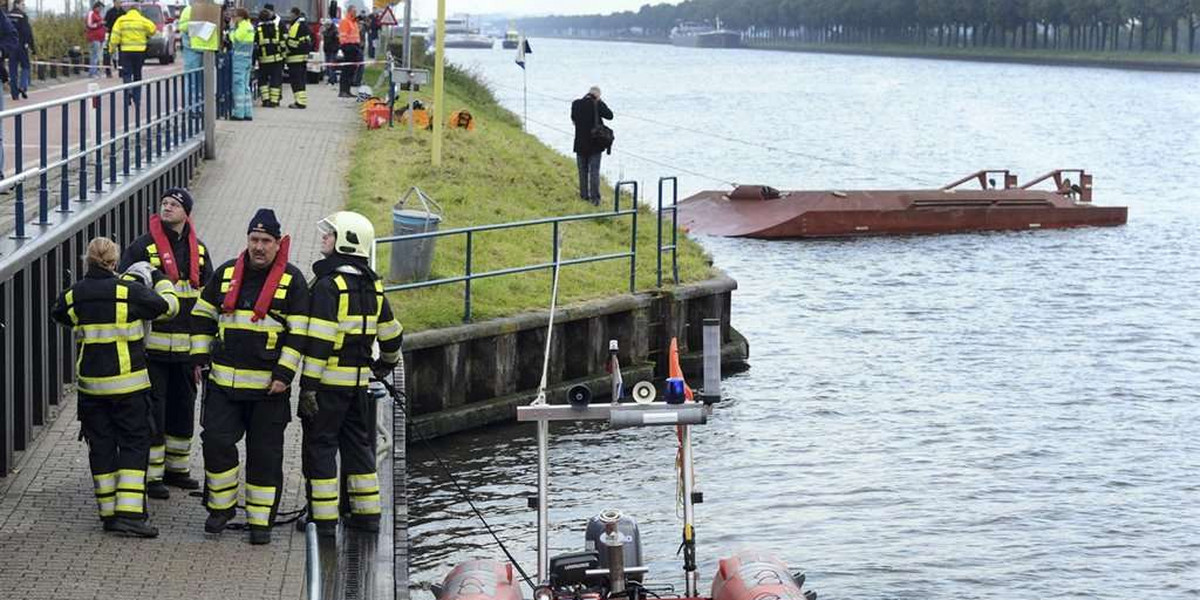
[703, 35]
[460, 35]
[511, 39]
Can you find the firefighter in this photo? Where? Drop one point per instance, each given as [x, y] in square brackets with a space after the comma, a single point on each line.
[268, 51]
[299, 42]
[348, 314]
[249, 325]
[106, 314]
[174, 250]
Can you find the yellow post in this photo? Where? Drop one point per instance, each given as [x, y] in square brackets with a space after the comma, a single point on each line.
[439, 87]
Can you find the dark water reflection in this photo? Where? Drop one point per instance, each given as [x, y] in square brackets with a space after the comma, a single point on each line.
[969, 416]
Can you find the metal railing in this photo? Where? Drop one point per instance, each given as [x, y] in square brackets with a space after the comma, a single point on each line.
[469, 275]
[556, 223]
[113, 159]
[157, 115]
[674, 245]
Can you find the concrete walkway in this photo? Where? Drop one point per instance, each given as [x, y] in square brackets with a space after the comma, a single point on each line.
[51, 543]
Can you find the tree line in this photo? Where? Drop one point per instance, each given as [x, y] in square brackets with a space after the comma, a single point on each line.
[1073, 25]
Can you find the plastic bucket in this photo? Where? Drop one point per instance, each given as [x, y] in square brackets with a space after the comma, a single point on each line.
[412, 260]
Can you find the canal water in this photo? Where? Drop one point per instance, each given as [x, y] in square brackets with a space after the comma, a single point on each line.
[966, 416]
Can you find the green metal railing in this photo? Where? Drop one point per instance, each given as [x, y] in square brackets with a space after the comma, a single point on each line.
[469, 274]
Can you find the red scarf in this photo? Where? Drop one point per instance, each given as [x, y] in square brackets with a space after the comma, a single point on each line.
[167, 254]
[268, 290]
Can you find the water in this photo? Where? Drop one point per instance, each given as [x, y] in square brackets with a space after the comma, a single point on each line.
[966, 416]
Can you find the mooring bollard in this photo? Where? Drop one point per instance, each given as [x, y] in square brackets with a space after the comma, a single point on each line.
[711, 394]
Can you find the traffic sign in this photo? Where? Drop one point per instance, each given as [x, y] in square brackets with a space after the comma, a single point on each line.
[389, 18]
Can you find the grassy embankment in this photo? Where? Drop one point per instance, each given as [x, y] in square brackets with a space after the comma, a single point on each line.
[497, 174]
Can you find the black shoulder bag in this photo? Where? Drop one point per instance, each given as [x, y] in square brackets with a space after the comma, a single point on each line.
[602, 135]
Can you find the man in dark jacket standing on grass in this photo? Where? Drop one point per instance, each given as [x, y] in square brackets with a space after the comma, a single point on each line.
[587, 113]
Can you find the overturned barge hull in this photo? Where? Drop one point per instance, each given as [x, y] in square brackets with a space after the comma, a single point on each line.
[762, 212]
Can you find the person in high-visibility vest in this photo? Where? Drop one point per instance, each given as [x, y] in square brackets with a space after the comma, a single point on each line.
[351, 43]
[242, 39]
[130, 34]
[299, 42]
[106, 313]
[348, 315]
[249, 325]
[173, 248]
[269, 52]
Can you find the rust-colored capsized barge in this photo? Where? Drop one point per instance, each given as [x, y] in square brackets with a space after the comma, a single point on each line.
[762, 212]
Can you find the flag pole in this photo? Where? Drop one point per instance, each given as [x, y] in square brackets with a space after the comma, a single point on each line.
[525, 94]
[439, 88]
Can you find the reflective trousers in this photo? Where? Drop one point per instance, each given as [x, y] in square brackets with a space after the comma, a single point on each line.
[243, 101]
[270, 82]
[298, 78]
[117, 430]
[345, 422]
[173, 405]
[262, 422]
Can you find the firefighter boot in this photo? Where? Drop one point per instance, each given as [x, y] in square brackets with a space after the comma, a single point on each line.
[217, 520]
[131, 527]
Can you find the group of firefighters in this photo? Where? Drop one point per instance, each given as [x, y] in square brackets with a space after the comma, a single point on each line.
[158, 321]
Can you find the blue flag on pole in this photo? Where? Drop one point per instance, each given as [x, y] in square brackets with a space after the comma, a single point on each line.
[522, 50]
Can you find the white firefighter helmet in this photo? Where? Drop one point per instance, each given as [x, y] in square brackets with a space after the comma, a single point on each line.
[354, 235]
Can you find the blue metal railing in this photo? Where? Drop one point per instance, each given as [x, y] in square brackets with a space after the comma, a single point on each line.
[469, 275]
[674, 245]
[157, 115]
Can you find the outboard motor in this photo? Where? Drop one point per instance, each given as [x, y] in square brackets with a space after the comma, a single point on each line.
[631, 540]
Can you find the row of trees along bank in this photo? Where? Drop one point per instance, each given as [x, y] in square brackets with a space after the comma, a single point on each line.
[1064, 25]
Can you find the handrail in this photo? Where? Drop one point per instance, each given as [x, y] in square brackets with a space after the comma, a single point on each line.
[674, 208]
[165, 110]
[8, 112]
[469, 276]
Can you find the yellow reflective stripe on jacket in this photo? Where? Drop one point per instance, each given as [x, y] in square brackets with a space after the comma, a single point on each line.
[201, 344]
[297, 324]
[69, 299]
[284, 281]
[345, 376]
[313, 367]
[169, 342]
[322, 329]
[166, 290]
[205, 309]
[389, 331]
[391, 357]
[108, 333]
[289, 359]
[244, 379]
[124, 364]
[115, 385]
[244, 319]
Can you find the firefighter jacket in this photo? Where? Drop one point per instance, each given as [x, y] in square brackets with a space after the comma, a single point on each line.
[170, 341]
[268, 47]
[348, 314]
[246, 354]
[106, 315]
[299, 41]
[131, 32]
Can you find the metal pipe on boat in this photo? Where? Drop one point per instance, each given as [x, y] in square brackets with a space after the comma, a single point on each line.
[543, 516]
[711, 394]
[689, 533]
[312, 561]
[615, 547]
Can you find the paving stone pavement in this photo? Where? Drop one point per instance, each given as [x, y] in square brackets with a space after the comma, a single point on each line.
[51, 543]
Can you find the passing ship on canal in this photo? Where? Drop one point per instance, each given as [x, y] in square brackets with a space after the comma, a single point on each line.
[703, 35]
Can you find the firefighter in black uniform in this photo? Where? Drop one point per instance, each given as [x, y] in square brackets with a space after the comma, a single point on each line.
[106, 314]
[174, 250]
[268, 51]
[299, 42]
[348, 314]
[249, 325]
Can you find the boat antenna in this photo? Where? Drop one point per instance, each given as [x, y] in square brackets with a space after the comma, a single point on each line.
[543, 432]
